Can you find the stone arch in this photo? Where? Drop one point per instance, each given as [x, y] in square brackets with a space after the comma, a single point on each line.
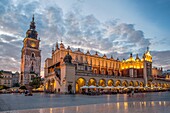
[102, 82]
[125, 83]
[168, 85]
[149, 84]
[163, 85]
[141, 84]
[48, 85]
[118, 83]
[131, 83]
[136, 83]
[154, 84]
[110, 82]
[92, 81]
[52, 85]
[79, 83]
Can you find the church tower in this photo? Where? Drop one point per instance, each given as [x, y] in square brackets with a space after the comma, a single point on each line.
[30, 55]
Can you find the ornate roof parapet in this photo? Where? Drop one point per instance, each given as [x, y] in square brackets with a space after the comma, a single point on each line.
[96, 54]
[130, 59]
[137, 58]
[123, 60]
[52, 50]
[104, 56]
[117, 59]
[88, 53]
[68, 48]
[78, 50]
[62, 45]
[56, 46]
[147, 56]
[111, 57]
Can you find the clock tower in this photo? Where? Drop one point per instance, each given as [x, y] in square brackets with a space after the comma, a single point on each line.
[30, 55]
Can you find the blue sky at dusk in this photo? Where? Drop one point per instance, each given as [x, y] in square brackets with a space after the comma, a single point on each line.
[111, 27]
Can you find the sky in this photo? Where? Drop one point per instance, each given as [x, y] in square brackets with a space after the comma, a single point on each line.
[111, 27]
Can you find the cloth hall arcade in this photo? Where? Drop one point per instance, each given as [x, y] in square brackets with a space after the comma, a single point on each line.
[67, 70]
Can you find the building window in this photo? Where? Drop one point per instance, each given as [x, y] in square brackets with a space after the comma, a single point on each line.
[76, 58]
[86, 60]
[102, 71]
[32, 54]
[81, 59]
[103, 63]
[95, 71]
[85, 68]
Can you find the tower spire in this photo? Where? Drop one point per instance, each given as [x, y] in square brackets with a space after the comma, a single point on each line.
[147, 48]
[33, 18]
[32, 24]
[31, 32]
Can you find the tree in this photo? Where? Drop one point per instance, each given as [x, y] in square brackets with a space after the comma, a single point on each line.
[23, 88]
[36, 82]
[1, 74]
[16, 85]
[3, 87]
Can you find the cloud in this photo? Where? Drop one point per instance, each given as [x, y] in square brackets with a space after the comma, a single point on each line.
[74, 28]
[161, 59]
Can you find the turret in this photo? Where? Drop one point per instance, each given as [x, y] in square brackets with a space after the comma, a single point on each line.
[56, 46]
[31, 32]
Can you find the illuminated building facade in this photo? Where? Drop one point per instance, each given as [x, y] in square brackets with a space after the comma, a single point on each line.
[66, 71]
[30, 56]
[157, 72]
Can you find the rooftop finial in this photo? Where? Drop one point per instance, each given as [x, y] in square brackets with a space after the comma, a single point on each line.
[147, 48]
[33, 18]
[130, 54]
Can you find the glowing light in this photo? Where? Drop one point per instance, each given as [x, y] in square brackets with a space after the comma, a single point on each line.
[125, 105]
[118, 105]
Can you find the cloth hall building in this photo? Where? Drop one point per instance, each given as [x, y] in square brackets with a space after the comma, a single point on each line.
[67, 71]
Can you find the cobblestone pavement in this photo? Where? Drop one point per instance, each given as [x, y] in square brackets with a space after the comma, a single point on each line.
[44, 103]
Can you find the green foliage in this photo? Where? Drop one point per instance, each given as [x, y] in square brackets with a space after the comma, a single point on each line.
[16, 85]
[1, 74]
[36, 82]
[3, 87]
[22, 87]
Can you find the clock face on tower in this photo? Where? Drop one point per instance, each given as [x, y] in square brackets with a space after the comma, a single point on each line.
[32, 44]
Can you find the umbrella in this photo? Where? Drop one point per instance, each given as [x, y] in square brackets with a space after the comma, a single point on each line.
[23, 87]
[112, 87]
[92, 86]
[119, 87]
[131, 87]
[100, 87]
[108, 87]
[139, 87]
[84, 87]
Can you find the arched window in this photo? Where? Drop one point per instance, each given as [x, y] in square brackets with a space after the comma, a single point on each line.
[32, 54]
[81, 59]
[76, 58]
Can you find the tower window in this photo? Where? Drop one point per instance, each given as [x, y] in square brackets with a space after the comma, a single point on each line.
[76, 58]
[32, 55]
